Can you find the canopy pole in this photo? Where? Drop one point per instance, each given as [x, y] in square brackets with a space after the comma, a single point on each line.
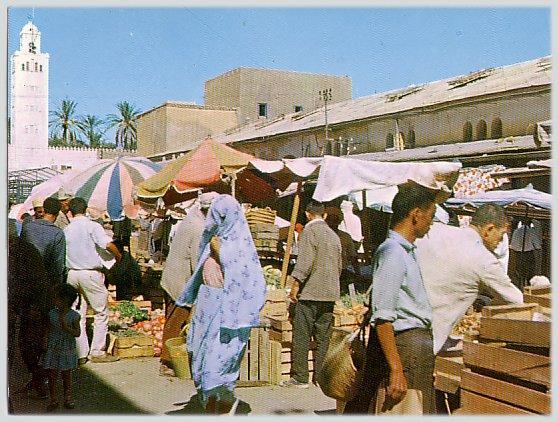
[233, 185]
[290, 236]
[363, 199]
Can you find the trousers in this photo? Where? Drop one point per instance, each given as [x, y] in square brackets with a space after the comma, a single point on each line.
[311, 319]
[91, 286]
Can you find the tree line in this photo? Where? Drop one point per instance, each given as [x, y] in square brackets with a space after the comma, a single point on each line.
[67, 129]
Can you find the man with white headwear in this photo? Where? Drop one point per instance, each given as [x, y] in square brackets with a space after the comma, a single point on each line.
[179, 266]
[62, 219]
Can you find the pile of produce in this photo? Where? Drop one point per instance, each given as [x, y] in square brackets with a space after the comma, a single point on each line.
[153, 327]
[467, 324]
[272, 277]
[125, 314]
[360, 298]
[345, 306]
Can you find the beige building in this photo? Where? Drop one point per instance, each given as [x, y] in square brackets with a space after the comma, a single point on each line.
[494, 103]
[264, 94]
[177, 127]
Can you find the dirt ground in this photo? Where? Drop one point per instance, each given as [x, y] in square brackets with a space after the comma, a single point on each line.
[134, 386]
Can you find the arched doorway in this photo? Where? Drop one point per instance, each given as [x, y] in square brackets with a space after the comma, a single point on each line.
[467, 132]
[411, 139]
[481, 130]
[389, 140]
[496, 128]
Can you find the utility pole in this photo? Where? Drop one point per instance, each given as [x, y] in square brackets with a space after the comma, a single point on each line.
[325, 94]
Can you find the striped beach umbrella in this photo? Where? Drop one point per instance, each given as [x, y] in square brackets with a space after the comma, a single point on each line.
[109, 185]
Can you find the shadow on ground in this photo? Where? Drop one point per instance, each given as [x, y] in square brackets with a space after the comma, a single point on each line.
[194, 407]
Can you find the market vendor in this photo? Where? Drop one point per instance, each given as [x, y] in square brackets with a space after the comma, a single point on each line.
[458, 265]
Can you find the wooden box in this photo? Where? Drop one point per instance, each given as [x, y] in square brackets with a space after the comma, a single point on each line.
[254, 366]
[276, 305]
[514, 324]
[447, 373]
[140, 345]
[500, 380]
[540, 295]
[281, 360]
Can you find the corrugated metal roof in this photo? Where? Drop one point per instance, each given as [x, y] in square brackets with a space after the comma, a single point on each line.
[533, 73]
[463, 149]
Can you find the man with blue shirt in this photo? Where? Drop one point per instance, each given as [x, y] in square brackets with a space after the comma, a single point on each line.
[400, 350]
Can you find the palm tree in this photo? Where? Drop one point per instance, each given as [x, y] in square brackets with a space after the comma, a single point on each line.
[93, 128]
[126, 132]
[65, 121]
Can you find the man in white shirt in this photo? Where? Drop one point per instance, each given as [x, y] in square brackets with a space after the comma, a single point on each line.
[457, 264]
[86, 243]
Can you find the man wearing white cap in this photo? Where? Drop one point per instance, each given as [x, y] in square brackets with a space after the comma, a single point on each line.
[62, 219]
[179, 266]
[38, 209]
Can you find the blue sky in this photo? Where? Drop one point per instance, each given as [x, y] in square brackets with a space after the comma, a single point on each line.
[100, 56]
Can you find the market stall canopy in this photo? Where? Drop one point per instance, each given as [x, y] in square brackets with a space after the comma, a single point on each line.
[342, 176]
[210, 166]
[45, 189]
[540, 164]
[108, 186]
[526, 201]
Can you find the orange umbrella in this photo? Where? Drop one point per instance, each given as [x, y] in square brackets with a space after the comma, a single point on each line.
[210, 166]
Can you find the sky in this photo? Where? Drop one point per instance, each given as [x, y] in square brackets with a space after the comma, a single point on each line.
[146, 56]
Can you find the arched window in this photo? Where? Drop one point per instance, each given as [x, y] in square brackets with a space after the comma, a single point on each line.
[389, 140]
[26, 65]
[496, 128]
[22, 66]
[481, 130]
[467, 132]
[411, 139]
[40, 68]
[328, 148]
[36, 67]
[336, 148]
[531, 129]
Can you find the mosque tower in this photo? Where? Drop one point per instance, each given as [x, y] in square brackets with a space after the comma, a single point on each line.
[29, 102]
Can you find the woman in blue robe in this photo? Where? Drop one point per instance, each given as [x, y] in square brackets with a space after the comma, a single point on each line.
[227, 303]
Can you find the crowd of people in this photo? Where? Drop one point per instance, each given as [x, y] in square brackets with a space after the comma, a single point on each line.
[213, 282]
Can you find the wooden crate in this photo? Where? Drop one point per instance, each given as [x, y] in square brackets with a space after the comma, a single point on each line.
[281, 361]
[276, 305]
[513, 324]
[540, 295]
[140, 345]
[254, 366]
[447, 373]
[500, 380]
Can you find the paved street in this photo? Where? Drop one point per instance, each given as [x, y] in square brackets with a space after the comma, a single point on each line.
[134, 386]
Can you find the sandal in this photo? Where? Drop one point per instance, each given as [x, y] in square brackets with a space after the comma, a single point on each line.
[51, 407]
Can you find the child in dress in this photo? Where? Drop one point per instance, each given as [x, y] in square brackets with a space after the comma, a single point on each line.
[61, 354]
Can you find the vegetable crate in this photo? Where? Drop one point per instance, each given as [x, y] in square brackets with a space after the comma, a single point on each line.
[131, 346]
[540, 295]
[281, 329]
[275, 304]
[508, 371]
[281, 361]
[254, 366]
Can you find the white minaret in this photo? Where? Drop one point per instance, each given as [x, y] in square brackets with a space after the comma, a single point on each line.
[29, 102]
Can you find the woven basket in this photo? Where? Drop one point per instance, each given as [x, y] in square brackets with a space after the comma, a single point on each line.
[179, 357]
[339, 377]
